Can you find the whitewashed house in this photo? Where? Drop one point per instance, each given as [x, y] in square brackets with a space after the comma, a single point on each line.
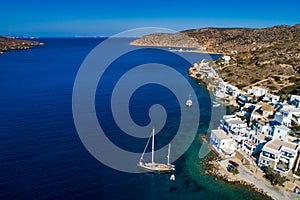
[222, 142]
[288, 116]
[280, 155]
[257, 91]
[224, 90]
[262, 111]
[265, 128]
[279, 132]
[226, 59]
[253, 143]
[232, 124]
[271, 98]
[243, 98]
[295, 101]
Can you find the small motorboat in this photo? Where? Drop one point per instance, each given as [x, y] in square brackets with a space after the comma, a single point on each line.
[172, 177]
[189, 102]
[215, 104]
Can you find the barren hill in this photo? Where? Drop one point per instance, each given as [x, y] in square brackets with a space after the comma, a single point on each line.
[257, 53]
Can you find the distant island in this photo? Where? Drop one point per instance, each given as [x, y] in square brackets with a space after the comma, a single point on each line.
[269, 57]
[9, 43]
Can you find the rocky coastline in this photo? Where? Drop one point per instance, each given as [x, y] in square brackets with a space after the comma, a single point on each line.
[213, 169]
[214, 166]
[9, 43]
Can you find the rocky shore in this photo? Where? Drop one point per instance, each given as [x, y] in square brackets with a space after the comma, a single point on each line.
[216, 167]
[8, 43]
[213, 169]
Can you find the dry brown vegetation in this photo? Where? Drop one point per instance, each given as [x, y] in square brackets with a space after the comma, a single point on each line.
[267, 57]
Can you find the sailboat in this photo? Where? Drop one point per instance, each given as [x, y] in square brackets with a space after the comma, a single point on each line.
[189, 102]
[153, 166]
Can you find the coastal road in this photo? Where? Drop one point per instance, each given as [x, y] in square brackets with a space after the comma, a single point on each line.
[277, 193]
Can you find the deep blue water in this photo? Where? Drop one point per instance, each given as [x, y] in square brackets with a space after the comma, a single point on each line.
[41, 155]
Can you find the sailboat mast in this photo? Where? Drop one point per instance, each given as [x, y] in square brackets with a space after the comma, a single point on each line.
[153, 146]
[168, 156]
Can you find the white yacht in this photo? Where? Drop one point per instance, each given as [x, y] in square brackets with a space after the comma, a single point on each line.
[153, 166]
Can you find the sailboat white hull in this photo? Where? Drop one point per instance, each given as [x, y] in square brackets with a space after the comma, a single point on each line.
[156, 167]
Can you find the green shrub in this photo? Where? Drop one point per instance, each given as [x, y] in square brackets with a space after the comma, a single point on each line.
[276, 78]
[272, 87]
[274, 177]
[296, 128]
[234, 171]
[254, 80]
[241, 86]
[298, 171]
[294, 79]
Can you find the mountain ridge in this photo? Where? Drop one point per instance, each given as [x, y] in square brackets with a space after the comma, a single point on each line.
[256, 53]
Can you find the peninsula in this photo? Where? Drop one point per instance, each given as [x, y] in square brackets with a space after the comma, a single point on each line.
[9, 43]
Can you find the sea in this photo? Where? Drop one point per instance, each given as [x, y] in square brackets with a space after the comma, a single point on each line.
[42, 155]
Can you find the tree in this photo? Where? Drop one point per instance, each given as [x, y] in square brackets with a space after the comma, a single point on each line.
[274, 177]
[234, 170]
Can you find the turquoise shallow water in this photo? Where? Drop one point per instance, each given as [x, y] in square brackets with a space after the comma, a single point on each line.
[41, 155]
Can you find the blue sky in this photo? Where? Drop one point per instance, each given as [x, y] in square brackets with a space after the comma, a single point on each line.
[105, 18]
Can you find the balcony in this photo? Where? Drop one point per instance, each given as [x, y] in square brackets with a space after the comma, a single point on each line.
[287, 155]
[282, 166]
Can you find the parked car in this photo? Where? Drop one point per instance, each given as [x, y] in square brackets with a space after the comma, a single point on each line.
[233, 163]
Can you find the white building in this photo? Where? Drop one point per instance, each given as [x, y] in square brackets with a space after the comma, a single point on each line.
[279, 155]
[222, 142]
[244, 98]
[279, 132]
[295, 101]
[226, 90]
[232, 124]
[253, 143]
[271, 98]
[262, 111]
[288, 116]
[257, 91]
[273, 129]
[226, 59]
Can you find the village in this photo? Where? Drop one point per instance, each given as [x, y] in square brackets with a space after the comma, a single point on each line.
[263, 134]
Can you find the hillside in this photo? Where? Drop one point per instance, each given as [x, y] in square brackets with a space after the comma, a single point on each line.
[268, 57]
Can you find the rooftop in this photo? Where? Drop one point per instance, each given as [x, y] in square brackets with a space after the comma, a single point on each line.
[219, 133]
[236, 121]
[271, 95]
[265, 106]
[260, 136]
[278, 144]
[274, 123]
[229, 116]
[291, 109]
